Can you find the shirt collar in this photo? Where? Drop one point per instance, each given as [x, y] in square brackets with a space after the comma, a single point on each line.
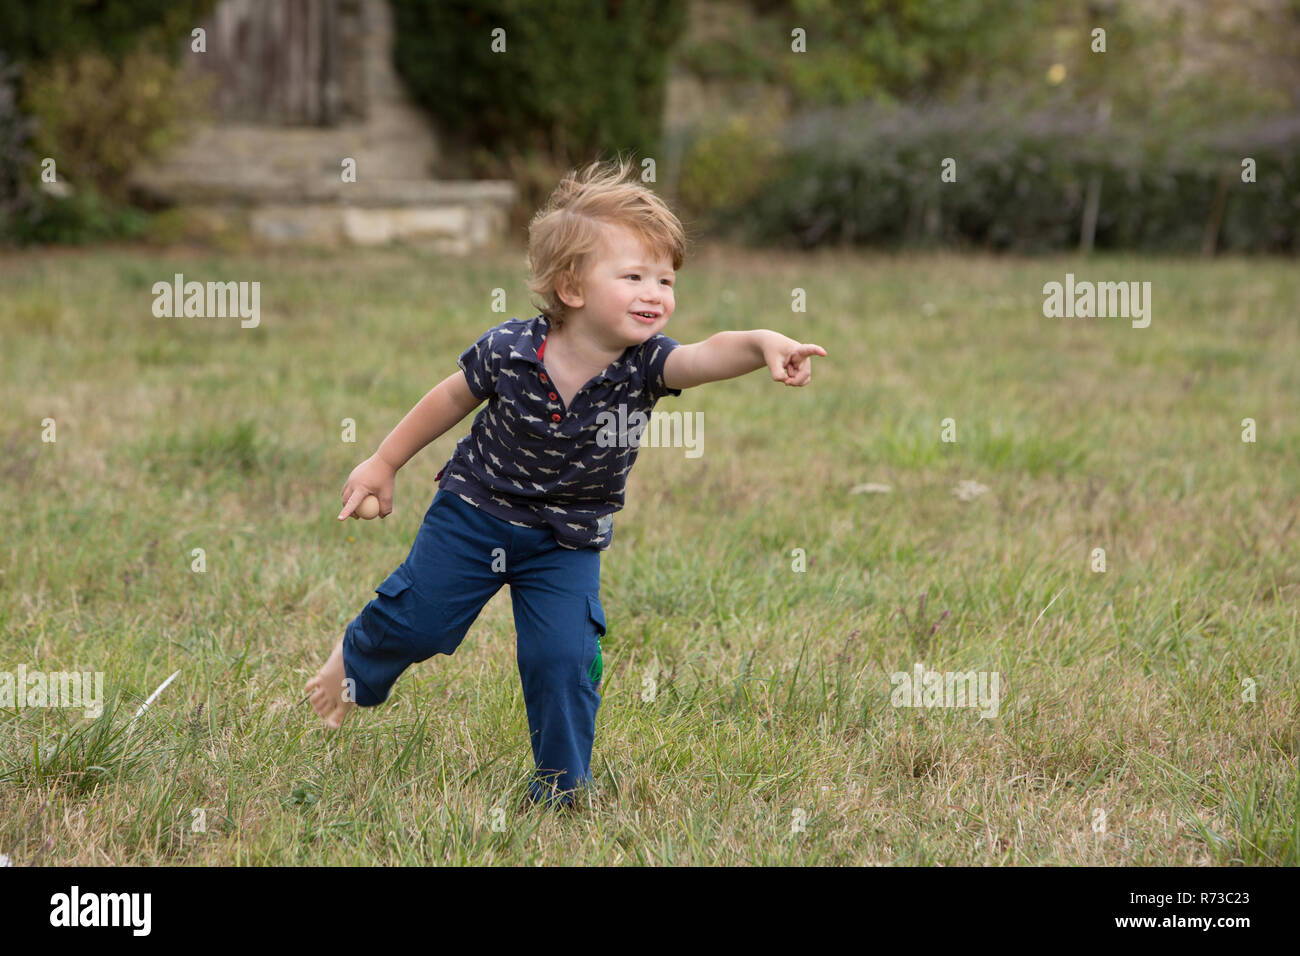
[533, 335]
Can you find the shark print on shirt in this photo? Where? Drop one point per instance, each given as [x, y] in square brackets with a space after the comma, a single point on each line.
[529, 460]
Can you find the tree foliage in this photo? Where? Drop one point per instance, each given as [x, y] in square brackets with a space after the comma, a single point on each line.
[38, 30]
[575, 78]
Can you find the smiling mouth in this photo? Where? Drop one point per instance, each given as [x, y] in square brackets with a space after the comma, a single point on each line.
[647, 316]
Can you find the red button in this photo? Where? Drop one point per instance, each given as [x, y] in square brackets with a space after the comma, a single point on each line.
[555, 416]
[543, 376]
[554, 396]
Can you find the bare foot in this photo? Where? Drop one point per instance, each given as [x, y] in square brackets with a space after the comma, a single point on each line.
[329, 692]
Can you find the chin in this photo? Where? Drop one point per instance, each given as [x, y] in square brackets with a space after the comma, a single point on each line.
[638, 332]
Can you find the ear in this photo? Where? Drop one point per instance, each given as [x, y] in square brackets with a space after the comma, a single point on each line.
[567, 288]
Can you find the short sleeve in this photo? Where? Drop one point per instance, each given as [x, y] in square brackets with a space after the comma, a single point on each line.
[654, 353]
[481, 361]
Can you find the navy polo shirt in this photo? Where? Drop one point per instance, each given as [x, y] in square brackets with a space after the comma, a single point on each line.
[531, 461]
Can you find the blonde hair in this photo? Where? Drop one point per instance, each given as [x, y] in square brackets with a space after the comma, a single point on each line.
[566, 232]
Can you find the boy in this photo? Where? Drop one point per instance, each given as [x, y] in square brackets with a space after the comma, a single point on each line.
[528, 496]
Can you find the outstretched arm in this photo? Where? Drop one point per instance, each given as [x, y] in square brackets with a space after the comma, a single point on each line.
[728, 354]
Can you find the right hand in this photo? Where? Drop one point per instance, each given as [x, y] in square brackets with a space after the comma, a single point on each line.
[374, 476]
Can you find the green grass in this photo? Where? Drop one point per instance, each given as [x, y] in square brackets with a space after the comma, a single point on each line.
[1121, 692]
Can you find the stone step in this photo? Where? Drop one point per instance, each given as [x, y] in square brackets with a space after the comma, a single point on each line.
[449, 227]
[231, 182]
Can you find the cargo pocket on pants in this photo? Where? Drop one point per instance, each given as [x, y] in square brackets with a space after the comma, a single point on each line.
[395, 583]
[597, 669]
[390, 612]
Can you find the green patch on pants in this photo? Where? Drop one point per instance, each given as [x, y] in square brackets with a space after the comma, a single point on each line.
[597, 666]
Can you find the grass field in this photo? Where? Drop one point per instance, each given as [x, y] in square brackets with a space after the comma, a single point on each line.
[1148, 713]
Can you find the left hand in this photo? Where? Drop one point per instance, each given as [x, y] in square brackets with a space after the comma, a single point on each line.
[789, 361]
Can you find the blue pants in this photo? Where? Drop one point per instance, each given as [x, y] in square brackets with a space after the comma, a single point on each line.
[461, 557]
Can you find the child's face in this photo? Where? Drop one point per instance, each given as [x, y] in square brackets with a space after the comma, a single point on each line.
[621, 281]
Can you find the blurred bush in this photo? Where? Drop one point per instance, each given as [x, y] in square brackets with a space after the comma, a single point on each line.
[17, 195]
[84, 216]
[578, 78]
[1265, 216]
[728, 167]
[872, 174]
[98, 90]
[32, 31]
[97, 119]
[885, 50]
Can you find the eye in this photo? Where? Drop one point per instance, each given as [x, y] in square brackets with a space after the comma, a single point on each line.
[633, 275]
[668, 282]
